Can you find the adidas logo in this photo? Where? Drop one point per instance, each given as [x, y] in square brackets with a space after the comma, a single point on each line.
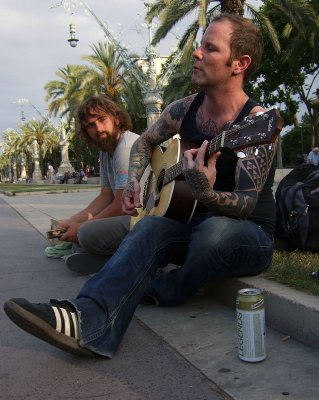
[66, 321]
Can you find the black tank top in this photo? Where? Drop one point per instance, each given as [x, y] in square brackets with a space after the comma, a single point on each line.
[264, 213]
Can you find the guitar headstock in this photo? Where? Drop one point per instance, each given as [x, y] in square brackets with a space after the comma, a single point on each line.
[261, 129]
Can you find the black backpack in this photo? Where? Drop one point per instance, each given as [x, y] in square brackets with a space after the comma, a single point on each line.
[297, 210]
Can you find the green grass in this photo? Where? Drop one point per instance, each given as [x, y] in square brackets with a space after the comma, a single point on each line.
[11, 189]
[293, 268]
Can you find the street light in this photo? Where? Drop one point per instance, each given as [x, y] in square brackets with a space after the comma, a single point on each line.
[73, 41]
[152, 87]
[23, 101]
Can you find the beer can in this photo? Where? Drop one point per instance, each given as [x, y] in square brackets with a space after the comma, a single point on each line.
[250, 313]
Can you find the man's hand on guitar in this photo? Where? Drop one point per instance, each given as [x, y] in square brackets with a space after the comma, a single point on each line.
[131, 197]
[193, 165]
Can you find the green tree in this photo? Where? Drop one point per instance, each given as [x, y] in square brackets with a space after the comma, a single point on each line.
[172, 12]
[65, 95]
[107, 76]
[296, 143]
[288, 78]
[11, 156]
[43, 134]
[179, 84]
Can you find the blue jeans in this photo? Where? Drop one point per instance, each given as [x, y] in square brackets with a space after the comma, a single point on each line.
[210, 247]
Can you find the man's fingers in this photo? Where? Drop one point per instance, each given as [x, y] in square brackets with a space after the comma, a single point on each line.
[131, 198]
[137, 202]
[194, 158]
[202, 153]
[213, 158]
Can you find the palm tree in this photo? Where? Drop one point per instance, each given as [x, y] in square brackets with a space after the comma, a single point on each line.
[172, 12]
[43, 134]
[11, 156]
[298, 23]
[107, 76]
[65, 94]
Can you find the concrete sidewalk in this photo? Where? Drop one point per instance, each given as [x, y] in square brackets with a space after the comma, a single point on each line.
[203, 331]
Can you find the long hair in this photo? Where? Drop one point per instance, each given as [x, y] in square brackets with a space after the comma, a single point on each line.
[102, 105]
[245, 39]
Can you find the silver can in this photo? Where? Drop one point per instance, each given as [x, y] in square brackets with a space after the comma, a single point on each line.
[251, 333]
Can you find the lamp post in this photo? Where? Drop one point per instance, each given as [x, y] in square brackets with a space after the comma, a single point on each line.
[73, 40]
[152, 87]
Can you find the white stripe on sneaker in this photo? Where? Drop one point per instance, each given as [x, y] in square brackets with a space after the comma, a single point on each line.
[66, 321]
[57, 319]
[75, 324]
[67, 327]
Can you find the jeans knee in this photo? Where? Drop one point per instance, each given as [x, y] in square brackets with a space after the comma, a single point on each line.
[218, 232]
[85, 237]
[149, 225]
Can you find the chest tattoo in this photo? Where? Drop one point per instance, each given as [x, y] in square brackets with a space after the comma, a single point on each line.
[209, 126]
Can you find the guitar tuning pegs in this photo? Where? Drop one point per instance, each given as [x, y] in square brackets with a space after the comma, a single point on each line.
[241, 154]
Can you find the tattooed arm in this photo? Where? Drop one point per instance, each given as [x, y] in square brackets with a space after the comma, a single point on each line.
[251, 175]
[164, 128]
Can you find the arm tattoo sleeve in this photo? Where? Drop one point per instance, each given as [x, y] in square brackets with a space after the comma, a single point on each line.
[166, 127]
[251, 175]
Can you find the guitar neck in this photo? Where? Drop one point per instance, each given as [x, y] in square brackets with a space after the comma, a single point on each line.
[173, 172]
[263, 128]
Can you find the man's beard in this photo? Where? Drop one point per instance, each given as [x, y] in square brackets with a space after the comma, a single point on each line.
[109, 143]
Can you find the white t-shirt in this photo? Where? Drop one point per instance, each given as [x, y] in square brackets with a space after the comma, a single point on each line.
[114, 168]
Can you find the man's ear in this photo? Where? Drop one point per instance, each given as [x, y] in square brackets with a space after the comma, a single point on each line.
[240, 64]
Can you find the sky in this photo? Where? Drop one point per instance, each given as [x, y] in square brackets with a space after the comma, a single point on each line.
[33, 46]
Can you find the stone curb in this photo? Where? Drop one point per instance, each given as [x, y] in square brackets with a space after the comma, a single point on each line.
[289, 311]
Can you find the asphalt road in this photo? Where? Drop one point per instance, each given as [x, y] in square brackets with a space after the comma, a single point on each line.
[145, 367]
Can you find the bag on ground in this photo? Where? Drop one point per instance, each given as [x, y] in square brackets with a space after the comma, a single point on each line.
[297, 210]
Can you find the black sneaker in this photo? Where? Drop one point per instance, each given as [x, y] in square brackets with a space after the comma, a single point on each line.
[55, 323]
[85, 263]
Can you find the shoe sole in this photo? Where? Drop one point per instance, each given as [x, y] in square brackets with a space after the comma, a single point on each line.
[85, 264]
[44, 331]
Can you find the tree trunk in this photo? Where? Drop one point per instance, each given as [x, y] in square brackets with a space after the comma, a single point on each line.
[232, 6]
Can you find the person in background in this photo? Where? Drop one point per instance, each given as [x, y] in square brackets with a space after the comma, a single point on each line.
[98, 229]
[313, 156]
[50, 173]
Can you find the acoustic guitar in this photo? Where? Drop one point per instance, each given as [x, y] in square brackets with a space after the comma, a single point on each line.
[164, 192]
